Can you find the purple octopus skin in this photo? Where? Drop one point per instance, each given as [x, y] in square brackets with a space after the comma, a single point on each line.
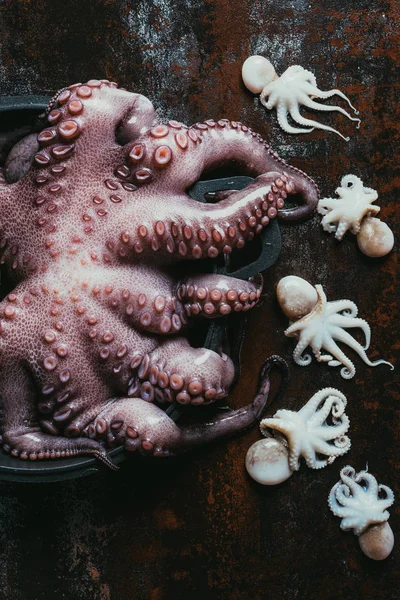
[94, 218]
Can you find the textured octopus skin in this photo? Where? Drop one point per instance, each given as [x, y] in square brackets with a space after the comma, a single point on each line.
[94, 218]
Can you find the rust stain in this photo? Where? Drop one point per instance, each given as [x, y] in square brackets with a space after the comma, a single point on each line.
[166, 519]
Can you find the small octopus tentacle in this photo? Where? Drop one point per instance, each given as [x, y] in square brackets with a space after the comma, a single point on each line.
[331, 220]
[330, 346]
[298, 357]
[346, 306]
[281, 113]
[310, 457]
[296, 116]
[330, 450]
[317, 463]
[307, 101]
[294, 458]
[350, 322]
[389, 499]
[349, 483]
[371, 486]
[332, 432]
[344, 495]
[326, 204]
[353, 522]
[336, 508]
[276, 423]
[346, 338]
[314, 91]
[330, 396]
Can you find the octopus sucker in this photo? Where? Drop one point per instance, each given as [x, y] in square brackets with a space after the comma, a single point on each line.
[362, 504]
[322, 325]
[296, 87]
[95, 217]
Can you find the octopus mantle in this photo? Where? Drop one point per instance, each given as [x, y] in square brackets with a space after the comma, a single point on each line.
[94, 217]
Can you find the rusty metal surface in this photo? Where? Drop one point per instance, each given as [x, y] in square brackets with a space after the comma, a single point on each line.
[197, 526]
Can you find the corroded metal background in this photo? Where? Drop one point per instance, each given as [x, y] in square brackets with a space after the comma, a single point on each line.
[197, 526]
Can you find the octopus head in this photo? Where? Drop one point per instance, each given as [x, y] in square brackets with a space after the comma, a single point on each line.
[296, 297]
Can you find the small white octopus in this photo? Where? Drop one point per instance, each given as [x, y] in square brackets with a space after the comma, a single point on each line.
[322, 324]
[362, 505]
[286, 93]
[347, 212]
[316, 430]
[354, 211]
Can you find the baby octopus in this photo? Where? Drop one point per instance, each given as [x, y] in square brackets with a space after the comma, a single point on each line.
[319, 323]
[94, 218]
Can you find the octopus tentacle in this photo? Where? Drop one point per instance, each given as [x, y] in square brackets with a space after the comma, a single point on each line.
[346, 306]
[298, 357]
[309, 454]
[389, 496]
[36, 445]
[329, 396]
[197, 230]
[296, 116]
[307, 101]
[317, 463]
[284, 123]
[330, 432]
[314, 91]
[352, 523]
[333, 503]
[330, 346]
[343, 494]
[144, 427]
[346, 338]
[183, 154]
[342, 321]
[326, 204]
[322, 447]
[331, 220]
[276, 423]
[371, 486]
[215, 295]
[348, 476]
[176, 371]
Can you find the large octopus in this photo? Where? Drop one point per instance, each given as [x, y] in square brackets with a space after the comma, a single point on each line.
[94, 218]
